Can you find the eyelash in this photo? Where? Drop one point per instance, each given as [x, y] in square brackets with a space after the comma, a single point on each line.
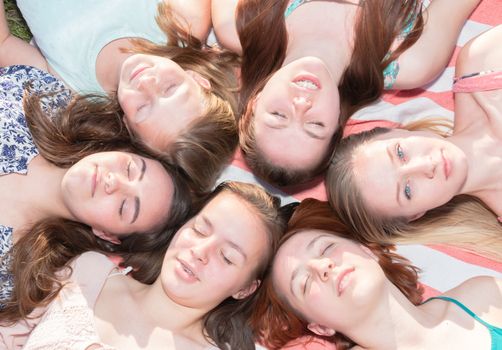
[280, 115]
[400, 154]
[327, 248]
[129, 170]
[121, 209]
[227, 261]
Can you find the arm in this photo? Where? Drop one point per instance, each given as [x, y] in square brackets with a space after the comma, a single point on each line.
[428, 57]
[197, 13]
[16, 51]
[225, 29]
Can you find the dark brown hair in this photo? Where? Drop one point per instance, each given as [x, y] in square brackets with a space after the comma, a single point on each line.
[276, 323]
[51, 243]
[263, 36]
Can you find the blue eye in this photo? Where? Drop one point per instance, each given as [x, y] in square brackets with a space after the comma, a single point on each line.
[399, 152]
[407, 191]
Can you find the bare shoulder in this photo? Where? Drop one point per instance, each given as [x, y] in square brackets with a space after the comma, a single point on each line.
[483, 296]
[196, 12]
[223, 14]
[481, 53]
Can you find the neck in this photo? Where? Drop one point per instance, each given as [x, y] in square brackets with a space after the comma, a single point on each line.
[306, 32]
[483, 161]
[164, 312]
[395, 323]
[46, 196]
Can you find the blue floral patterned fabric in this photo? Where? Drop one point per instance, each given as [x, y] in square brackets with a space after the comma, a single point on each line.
[16, 143]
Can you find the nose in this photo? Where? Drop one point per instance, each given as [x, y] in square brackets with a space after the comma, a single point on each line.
[113, 182]
[302, 103]
[322, 267]
[148, 84]
[200, 251]
[424, 166]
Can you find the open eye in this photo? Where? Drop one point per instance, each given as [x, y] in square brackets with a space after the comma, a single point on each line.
[407, 190]
[400, 152]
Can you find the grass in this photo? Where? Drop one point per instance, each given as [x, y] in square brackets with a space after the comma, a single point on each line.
[16, 22]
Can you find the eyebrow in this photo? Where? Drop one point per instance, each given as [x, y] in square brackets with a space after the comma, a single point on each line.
[398, 183]
[143, 169]
[297, 269]
[137, 202]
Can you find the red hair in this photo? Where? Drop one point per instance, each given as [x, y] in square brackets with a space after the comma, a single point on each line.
[277, 324]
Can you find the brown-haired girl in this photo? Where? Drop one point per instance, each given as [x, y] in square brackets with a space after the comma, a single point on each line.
[308, 65]
[61, 179]
[176, 97]
[195, 295]
[366, 296]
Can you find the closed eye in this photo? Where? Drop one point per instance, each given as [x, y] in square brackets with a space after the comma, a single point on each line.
[328, 247]
[129, 170]
[320, 124]
[306, 282]
[278, 114]
[227, 260]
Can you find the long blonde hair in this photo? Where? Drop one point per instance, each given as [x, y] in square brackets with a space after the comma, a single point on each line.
[464, 221]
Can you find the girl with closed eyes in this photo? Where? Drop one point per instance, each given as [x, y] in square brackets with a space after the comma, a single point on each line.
[366, 296]
[307, 66]
[196, 294]
[381, 180]
[59, 179]
[170, 91]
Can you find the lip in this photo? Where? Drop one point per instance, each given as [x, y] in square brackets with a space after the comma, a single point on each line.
[186, 271]
[343, 280]
[137, 71]
[308, 77]
[446, 165]
[94, 181]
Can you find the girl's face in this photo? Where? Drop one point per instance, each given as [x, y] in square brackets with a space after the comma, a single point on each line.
[330, 281]
[159, 98]
[296, 114]
[404, 173]
[118, 193]
[215, 254]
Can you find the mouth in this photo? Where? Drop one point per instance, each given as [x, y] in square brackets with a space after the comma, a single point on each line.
[343, 280]
[446, 165]
[307, 82]
[186, 271]
[94, 181]
[137, 71]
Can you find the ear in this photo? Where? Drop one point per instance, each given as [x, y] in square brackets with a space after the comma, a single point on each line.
[106, 236]
[246, 291]
[416, 216]
[199, 79]
[321, 330]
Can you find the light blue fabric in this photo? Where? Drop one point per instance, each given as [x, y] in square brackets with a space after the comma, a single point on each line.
[17, 148]
[293, 6]
[71, 33]
[495, 332]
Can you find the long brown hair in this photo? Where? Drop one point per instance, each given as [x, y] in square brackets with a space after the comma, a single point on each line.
[276, 323]
[48, 245]
[263, 36]
[464, 221]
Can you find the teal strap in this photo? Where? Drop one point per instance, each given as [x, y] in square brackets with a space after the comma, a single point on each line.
[466, 309]
[293, 6]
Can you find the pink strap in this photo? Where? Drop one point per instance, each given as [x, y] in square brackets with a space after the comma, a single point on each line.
[482, 81]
